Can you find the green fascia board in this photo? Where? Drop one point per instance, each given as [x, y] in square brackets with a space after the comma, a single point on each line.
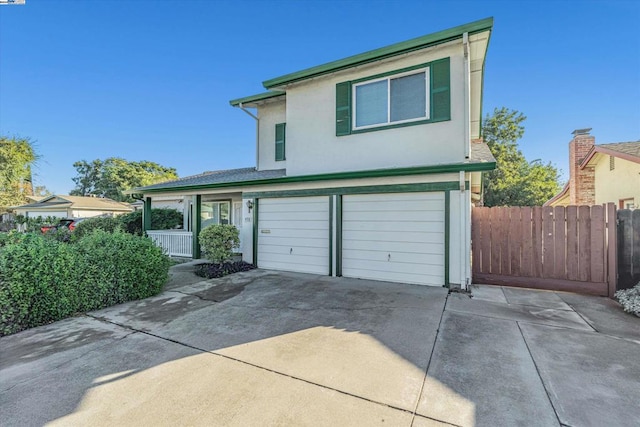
[375, 173]
[383, 53]
[255, 98]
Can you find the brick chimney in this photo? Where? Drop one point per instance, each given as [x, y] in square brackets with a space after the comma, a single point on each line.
[581, 181]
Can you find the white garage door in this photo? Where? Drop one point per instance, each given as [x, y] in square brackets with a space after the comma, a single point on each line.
[394, 237]
[293, 234]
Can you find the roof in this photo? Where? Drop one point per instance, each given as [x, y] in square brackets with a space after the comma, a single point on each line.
[625, 150]
[251, 101]
[77, 202]
[383, 53]
[481, 159]
[558, 197]
[229, 176]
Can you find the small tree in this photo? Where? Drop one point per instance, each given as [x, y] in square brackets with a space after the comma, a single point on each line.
[218, 241]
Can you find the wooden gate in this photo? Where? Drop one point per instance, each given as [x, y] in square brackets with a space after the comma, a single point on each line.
[569, 248]
[628, 248]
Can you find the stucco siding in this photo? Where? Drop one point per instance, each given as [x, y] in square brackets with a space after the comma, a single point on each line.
[312, 144]
[271, 114]
[623, 182]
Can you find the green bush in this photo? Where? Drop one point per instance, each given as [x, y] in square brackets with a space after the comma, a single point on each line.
[161, 219]
[32, 224]
[218, 241]
[43, 280]
[89, 225]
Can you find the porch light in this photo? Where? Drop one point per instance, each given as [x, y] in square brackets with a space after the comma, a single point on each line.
[249, 205]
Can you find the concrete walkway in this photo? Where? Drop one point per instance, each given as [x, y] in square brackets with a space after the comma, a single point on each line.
[266, 348]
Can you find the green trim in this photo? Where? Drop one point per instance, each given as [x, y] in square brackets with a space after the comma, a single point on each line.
[255, 232]
[368, 189]
[256, 98]
[280, 142]
[330, 235]
[338, 235]
[375, 173]
[447, 235]
[146, 214]
[383, 53]
[197, 226]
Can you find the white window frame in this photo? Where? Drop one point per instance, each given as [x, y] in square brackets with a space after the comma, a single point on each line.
[427, 86]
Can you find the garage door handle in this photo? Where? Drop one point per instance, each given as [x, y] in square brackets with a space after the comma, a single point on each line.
[290, 251]
[389, 257]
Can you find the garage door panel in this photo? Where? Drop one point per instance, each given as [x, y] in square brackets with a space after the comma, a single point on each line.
[399, 216]
[299, 250]
[398, 197]
[415, 247]
[391, 276]
[396, 257]
[388, 236]
[408, 226]
[293, 234]
[395, 237]
[293, 225]
[392, 206]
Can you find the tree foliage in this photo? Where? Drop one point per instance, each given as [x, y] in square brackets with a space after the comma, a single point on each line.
[17, 156]
[111, 177]
[515, 181]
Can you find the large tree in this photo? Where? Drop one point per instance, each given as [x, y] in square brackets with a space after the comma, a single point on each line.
[111, 177]
[515, 181]
[17, 156]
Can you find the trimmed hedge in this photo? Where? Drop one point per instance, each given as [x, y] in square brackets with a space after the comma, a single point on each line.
[218, 240]
[161, 219]
[106, 223]
[43, 280]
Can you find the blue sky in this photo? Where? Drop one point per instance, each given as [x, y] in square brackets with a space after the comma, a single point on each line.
[151, 80]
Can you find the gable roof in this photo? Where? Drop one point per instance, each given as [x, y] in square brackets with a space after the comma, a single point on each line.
[625, 150]
[77, 202]
[382, 53]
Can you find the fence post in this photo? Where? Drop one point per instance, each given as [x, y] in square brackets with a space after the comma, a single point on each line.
[612, 249]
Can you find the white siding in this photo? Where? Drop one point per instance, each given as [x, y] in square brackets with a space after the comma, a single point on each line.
[293, 234]
[395, 237]
[313, 147]
[270, 114]
[44, 214]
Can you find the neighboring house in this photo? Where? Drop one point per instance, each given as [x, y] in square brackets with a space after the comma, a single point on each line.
[72, 207]
[605, 173]
[365, 167]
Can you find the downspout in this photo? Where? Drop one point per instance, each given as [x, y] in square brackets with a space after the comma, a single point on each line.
[467, 96]
[464, 249]
[257, 131]
[464, 209]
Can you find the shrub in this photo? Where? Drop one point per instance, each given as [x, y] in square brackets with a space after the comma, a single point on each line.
[218, 241]
[34, 223]
[630, 299]
[161, 219]
[88, 226]
[43, 280]
[213, 271]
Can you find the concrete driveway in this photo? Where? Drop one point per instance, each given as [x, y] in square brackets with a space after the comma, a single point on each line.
[267, 348]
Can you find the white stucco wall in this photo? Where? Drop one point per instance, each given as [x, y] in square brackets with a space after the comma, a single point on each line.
[623, 182]
[312, 146]
[269, 115]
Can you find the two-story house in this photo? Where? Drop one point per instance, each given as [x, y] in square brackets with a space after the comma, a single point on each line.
[366, 167]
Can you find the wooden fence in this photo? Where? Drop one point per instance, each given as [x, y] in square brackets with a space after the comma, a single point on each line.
[628, 248]
[570, 249]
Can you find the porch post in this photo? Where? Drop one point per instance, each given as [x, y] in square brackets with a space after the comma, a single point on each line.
[146, 215]
[196, 224]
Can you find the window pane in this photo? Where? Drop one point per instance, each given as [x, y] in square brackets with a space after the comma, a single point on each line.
[408, 97]
[371, 103]
[224, 213]
[209, 213]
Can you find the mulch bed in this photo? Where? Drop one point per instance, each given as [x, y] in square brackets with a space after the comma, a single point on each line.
[213, 271]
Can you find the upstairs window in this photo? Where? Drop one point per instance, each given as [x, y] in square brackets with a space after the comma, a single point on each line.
[410, 96]
[391, 100]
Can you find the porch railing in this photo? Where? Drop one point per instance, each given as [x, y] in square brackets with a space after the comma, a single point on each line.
[174, 242]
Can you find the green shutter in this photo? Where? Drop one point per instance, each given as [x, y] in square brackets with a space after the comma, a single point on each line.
[440, 90]
[280, 141]
[343, 108]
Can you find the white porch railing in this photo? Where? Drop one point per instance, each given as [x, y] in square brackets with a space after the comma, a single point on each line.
[174, 242]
